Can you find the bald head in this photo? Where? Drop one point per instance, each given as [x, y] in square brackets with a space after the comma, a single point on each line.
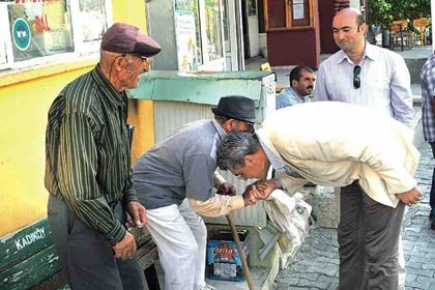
[349, 31]
[351, 13]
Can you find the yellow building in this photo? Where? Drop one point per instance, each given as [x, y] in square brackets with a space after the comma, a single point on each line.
[40, 55]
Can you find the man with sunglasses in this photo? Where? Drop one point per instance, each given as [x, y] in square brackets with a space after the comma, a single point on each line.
[364, 75]
[88, 172]
[353, 145]
[174, 181]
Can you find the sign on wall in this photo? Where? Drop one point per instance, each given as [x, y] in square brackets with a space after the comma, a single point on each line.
[185, 30]
[39, 28]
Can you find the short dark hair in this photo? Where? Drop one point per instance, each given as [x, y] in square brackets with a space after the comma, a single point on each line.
[360, 19]
[296, 72]
[233, 149]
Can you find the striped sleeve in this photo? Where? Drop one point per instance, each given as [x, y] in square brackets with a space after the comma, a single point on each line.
[77, 177]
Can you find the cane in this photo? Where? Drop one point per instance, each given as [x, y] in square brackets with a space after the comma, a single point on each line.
[241, 253]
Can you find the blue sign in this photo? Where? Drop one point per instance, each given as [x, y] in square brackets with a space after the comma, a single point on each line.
[21, 34]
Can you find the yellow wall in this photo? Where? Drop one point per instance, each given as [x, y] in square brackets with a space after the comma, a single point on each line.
[24, 101]
[23, 115]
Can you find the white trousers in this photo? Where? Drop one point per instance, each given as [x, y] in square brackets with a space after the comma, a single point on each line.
[181, 238]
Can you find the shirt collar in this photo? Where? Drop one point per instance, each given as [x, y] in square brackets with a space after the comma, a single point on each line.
[275, 160]
[369, 52]
[112, 96]
[221, 132]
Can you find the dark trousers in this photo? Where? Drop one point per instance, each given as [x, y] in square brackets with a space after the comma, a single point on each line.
[368, 238]
[86, 255]
[432, 189]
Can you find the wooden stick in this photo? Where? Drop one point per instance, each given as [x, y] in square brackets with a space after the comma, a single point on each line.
[241, 253]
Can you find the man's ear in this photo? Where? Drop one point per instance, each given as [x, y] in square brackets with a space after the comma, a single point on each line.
[228, 125]
[118, 63]
[363, 28]
[250, 159]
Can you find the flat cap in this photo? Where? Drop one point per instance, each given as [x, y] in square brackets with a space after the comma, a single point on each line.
[125, 38]
[236, 107]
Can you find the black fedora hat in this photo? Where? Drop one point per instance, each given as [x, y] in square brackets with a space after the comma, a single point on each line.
[236, 107]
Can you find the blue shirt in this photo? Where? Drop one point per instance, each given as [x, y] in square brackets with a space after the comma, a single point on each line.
[289, 97]
[385, 82]
[427, 94]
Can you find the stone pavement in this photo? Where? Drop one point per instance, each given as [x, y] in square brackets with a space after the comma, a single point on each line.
[315, 265]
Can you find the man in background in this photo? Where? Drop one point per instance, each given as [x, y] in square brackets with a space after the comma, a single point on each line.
[302, 81]
[363, 74]
[369, 76]
[88, 172]
[428, 109]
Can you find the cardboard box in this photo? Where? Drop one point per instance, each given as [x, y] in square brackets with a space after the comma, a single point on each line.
[223, 259]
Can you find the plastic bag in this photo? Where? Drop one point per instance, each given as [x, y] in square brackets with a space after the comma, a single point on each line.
[290, 215]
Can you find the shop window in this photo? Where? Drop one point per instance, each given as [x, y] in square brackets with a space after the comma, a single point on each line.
[285, 15]
[41, 31]
[214, 29]
[199, 34]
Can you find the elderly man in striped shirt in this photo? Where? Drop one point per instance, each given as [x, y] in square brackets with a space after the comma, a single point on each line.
[88, 172]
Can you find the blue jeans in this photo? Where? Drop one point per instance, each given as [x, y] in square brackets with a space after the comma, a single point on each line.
[432, 189]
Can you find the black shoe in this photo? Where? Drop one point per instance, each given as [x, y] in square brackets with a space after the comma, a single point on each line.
[430, 216]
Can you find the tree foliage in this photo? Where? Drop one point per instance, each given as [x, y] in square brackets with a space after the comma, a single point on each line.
[385, 11]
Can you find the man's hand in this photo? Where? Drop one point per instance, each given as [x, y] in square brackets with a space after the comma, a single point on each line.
[125, 248]
[136, 215]
[249, 195]
[226, 188]
[411, 197]
[265, 187]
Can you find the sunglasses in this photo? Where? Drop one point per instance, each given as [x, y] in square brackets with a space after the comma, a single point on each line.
[357, 77]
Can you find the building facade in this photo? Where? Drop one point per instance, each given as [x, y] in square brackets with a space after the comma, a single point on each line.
[47, 44]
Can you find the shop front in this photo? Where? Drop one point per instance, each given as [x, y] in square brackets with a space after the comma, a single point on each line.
[196, 35]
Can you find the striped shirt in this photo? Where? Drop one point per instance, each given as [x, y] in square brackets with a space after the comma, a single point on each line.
[427, 94]
[385, 82]
[88, 152]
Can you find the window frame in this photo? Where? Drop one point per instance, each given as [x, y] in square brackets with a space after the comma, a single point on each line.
[82, 50]
[290, 23]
